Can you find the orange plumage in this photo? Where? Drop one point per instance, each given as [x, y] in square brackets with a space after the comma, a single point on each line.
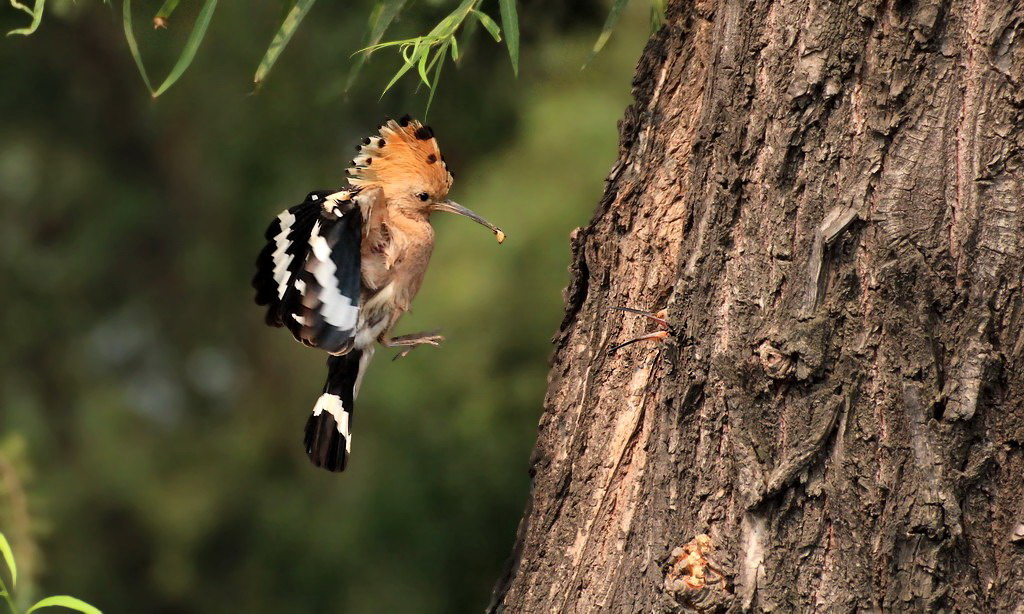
[404, 157]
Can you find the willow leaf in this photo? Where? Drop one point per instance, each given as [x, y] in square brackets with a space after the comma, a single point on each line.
[36, 13]
[191, 46]
[658, 8]
[5, 550]
[380, 19]
[510, 22]
[188, 52]
[281, 39]
[437, 77]
[488, 24]
[398, 75]
[468, 30]
[133, 47]
[64, 601]
[606, 30]
[422, 64]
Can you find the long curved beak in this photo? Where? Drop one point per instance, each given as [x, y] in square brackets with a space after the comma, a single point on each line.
[453, 207]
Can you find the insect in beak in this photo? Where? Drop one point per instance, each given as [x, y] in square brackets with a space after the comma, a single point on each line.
[453, 207]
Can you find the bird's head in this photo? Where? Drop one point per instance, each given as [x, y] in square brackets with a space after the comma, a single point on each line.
[405, 162]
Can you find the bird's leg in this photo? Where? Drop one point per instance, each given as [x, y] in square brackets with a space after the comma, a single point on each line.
[659, 317]
[655, 336]
[410, 341]
[414, 339]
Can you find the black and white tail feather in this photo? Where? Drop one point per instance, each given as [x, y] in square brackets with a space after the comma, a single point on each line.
[329, 430]
[308, 276]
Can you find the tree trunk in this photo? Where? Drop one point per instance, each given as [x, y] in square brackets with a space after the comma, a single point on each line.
[828, 197]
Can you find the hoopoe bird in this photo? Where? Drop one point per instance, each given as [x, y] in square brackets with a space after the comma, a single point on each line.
[340, 269]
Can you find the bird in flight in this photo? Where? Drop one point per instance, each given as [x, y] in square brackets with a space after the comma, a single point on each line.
[340, 269]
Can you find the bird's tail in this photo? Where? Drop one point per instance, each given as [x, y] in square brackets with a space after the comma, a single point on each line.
[329, 429]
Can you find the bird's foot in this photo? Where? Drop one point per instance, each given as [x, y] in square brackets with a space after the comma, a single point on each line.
[408, 342]
[659, 317]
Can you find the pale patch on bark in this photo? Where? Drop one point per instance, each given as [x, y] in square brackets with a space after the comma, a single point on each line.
[826, 197]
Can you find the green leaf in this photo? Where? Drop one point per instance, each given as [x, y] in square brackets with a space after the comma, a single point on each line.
[133, 47]
[428, 52]
[424, 55]
[36, 13]
[488, 25]
[468, 31]
[5, 550]
[446, 26]
[187, 53]
[437, 77]
[380, 18]
[283, 36]
[162, 15]
[404, 50]
[384, 14]
[398, 75]
[455, 49]
[399, 43]
[658, 8]
[191, 46]
[606, 31]
[63, 601]
[510, 21]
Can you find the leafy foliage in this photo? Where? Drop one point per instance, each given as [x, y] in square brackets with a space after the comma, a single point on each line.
[384, 12]
[36, 13]
[658, 8]
[427, 53]
[284, 34]
[62, 601]
[510, 21]
[609, 25]
[424, 53]
[5, 549]
[187, 53]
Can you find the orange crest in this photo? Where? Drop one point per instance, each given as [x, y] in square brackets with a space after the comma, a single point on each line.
[403, 160]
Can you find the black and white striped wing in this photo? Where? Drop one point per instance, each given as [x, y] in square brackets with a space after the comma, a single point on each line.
[284, 255]
[330, 284]
[308, 274]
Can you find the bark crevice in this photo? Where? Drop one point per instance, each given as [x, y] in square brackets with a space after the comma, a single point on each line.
[826, 195]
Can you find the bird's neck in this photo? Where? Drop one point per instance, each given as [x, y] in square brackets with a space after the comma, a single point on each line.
[413, 226]
[396, 252]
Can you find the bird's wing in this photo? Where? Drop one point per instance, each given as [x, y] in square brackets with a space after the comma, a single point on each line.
[308, 273]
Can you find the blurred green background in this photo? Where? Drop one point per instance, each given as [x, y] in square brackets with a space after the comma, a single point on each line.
[151, 425]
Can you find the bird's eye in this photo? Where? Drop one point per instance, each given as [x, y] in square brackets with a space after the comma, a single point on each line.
[423, 196]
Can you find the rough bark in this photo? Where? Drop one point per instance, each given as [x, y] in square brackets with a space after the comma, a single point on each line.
[827, 195]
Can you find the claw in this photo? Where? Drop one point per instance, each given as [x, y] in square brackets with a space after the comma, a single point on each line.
[659, 317]
[660, 335]
[408, 342]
